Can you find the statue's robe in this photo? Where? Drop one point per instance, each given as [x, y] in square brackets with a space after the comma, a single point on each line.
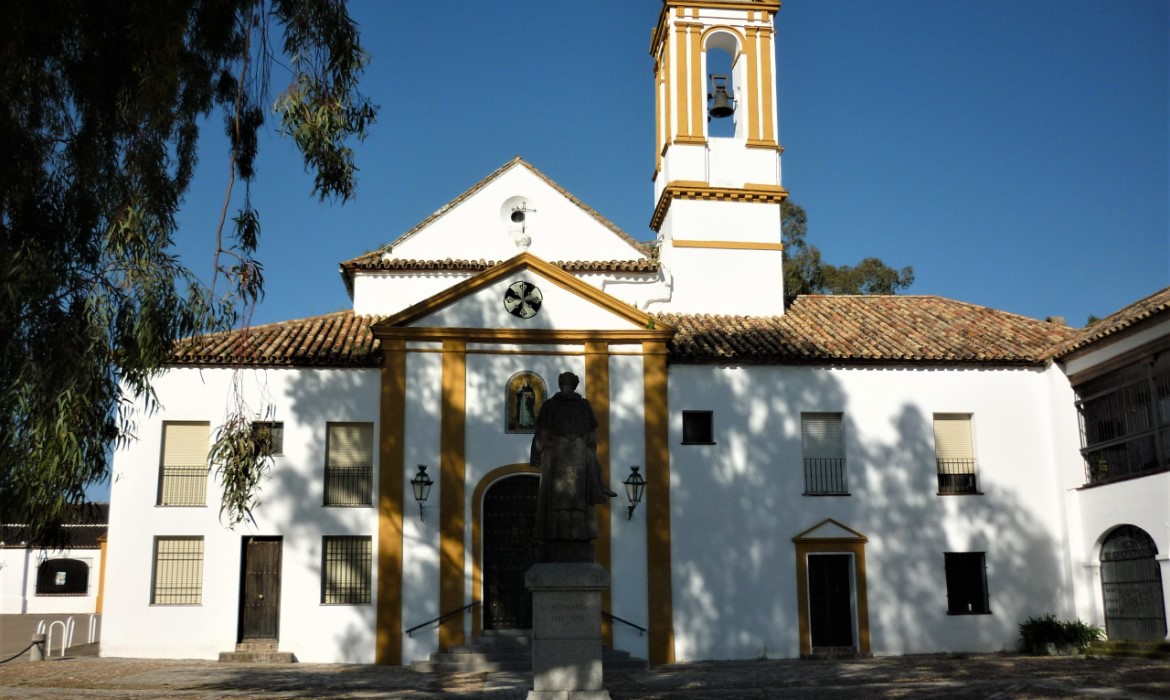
[564, 448]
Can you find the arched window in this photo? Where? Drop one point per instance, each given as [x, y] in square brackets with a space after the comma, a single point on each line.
[63, 577]
[1131, 584]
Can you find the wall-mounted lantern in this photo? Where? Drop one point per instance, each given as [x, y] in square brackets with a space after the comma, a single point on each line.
[635, 488]
[422, 488]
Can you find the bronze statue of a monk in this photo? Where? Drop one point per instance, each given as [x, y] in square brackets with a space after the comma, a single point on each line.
[564, 448]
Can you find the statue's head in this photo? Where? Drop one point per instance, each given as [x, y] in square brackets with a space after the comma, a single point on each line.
[568, 381]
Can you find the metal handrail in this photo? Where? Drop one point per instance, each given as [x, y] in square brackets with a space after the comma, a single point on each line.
[615, 618]
[410, 632]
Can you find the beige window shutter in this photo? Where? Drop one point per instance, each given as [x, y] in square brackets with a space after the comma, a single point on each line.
[821, 436]
[952, 436]
[351, 444]
[185, 444]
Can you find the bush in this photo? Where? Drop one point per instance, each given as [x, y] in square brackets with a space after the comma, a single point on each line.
[1037, 633]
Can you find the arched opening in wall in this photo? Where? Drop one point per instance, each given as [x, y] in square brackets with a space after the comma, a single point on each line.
[1131, 586]
[509, 519]
[63, 577]
[722, 85]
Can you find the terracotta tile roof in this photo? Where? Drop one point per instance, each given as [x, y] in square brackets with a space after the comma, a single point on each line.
[816, 329]
[82, 526]
[375, 261]
[1133, 315]
[339, 339]
[867, 329]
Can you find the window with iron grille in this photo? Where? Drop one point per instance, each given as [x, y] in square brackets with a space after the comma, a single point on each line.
[698, 428]
[346, 568]
[1125, 421]
[823, 447]
[183, 474]
[966, 583]
[178, 571]
[63, 577]
[955, 453]
[273, 432]
[349, 465]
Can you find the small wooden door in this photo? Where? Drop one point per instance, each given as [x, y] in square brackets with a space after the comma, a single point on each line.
[509, 518]
[260, 589]
[830, 602]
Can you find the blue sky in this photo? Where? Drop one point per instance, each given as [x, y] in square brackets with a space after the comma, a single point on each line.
[1015, 153]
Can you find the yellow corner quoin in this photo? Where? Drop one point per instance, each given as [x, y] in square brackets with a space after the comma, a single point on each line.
[760, 194]
[392, 421]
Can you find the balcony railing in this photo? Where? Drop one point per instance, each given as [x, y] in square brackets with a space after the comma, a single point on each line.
[825, 475]
[956, 476]
[183, 486]
[1131, 457]
[349, 486]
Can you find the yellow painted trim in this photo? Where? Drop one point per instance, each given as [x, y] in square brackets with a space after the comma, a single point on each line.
[768, 102]
[391, 444]
[681, 120]
[506, 336]
[756, 194]
[691, 140]
[728, 245]
[516, 264]
[101, 596]
[660, 605]
[452, 502]
[477, 534]
[753, 79]
[770, 6]
[831, 545]
[597, 392]
[698, 91]
[764, 145]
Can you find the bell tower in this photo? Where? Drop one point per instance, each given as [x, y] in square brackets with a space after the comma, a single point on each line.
[717, 198]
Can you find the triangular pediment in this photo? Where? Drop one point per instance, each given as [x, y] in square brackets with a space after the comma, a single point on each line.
[829, 529]
[517, 208]
[566, 304]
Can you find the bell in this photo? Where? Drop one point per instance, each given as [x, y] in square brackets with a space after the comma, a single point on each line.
[721, 102]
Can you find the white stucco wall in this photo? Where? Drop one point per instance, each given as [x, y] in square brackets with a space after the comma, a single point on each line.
[18, 582]
[736, 505]
[291, 507]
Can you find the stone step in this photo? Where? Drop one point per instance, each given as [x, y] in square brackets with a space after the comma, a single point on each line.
[511, 651]
[257, 657]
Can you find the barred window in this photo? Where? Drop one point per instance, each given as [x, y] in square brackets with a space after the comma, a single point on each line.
[183, 473]
[698, 427]
[273, 432]
[178, 571]
[1125, 421]
[349, 465]
[966, 583]
[345, 578]
[823, 446]
[955, 452]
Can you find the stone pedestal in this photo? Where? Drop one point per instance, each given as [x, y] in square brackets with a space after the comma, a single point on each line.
[566, 630]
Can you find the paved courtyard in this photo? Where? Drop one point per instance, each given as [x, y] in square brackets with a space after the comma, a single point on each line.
[998, 677]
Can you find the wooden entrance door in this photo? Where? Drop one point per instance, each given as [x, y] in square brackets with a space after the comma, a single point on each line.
[830, 604]
[509, 518]
[260, 589]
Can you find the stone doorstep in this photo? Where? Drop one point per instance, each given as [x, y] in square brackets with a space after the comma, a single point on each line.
[1148, 650]
[507, 652]
[830, 653]
[257, 652]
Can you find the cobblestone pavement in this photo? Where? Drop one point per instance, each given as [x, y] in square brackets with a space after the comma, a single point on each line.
[986, 677]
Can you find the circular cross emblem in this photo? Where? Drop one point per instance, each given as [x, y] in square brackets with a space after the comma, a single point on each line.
[523, 299]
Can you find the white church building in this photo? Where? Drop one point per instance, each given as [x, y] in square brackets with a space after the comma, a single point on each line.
[873, 474]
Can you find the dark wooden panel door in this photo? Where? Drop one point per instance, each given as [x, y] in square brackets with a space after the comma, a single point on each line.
[260, 589]
[1131, 583]
[830, 607]
[509, 517]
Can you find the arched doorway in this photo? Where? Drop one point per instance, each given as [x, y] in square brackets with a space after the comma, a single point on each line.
[1131, 585]
[509, 516]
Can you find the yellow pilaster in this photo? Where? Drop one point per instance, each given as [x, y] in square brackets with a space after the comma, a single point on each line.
[391, 424]
[597, 392]
[660, 606]
[452, 495]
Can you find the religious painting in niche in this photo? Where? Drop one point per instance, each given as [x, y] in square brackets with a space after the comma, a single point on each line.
[523, 396]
